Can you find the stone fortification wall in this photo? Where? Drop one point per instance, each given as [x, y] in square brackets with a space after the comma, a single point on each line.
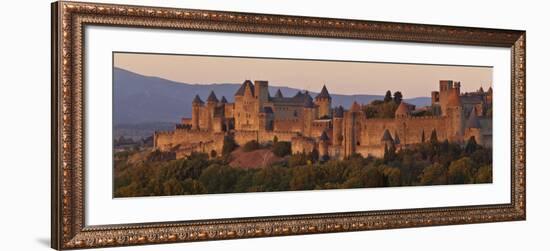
[408, 129]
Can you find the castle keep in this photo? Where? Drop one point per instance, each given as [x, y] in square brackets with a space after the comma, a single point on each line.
[313, 123]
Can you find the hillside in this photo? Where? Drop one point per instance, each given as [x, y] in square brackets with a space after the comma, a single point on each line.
[141, 99]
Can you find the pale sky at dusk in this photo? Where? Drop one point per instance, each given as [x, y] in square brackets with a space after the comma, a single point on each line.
[339, 77]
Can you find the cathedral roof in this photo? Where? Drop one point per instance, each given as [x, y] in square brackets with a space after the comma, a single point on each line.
[324, 136]
[339, 112]
[223, 101]
[241, 90]
[212, 97]
[197, 100]
[324, 93]
[402, 110]
[279, 94]
[473, 121]
[386, 136]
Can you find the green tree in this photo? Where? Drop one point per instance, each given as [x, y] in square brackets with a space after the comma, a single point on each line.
[471, 145]
[273, 178]
[219, 178]
[460, 171]
[392, 176]
[172, 187]
[434, 174]
[298, 159]
[213, 154]
[282, 148]
[433, 137]
[388, 97]
[229, 145]
[353, 182]
[374, 178]
[422, 137]
[397, 97]
[251, 146]
[191, 186]
[484, 174]
[303, 178]
[313, 156]
[389, 153]
[275, 139]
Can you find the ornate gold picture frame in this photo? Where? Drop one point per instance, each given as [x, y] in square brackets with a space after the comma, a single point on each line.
[69, 230]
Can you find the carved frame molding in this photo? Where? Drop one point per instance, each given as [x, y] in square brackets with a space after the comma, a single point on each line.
[68, 22]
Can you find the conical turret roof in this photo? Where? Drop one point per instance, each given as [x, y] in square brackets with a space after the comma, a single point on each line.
[223, 101]
[386, 136]
[197, 100]
[242, 89]
[279, 94]
[339, 112]
[212, 97]
[324, 93]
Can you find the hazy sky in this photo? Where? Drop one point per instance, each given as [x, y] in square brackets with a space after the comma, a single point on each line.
[340, 77]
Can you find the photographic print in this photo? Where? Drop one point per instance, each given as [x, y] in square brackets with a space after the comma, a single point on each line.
[197, 124]
[162, 134]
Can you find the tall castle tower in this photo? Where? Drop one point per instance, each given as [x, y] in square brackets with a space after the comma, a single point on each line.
[455, 114]
[261, 92]
[323, 101]
[211, 104]
[244, 110]
[446, 89]
[195, 112]
[309, 114]
[473, 128]
[351, 132]
[337, 126]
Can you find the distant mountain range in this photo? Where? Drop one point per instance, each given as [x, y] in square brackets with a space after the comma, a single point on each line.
[141, 99]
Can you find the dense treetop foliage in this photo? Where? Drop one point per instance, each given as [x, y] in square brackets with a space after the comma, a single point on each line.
[429, 163]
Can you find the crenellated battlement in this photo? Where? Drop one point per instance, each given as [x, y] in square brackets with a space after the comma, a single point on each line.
[302, 120]
[164, 132]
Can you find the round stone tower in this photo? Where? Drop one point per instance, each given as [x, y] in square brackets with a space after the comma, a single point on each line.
[309, 114]
[455, 115]
[337, 119]
[195, 112]
[323, 101]
[211, 104]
